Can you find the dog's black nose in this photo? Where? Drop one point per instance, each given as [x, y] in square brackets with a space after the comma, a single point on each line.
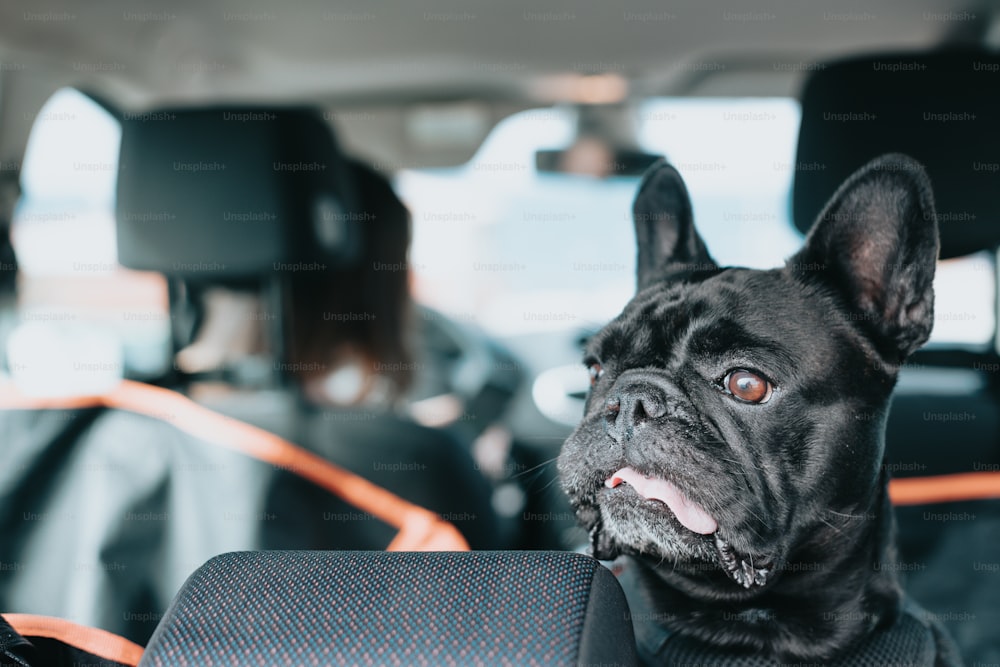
[628, 409]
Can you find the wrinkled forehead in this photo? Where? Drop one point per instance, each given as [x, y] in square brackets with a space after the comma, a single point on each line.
[733, 311]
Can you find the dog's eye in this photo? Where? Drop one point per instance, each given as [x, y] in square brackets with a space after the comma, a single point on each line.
[747, 386]
[595, 371]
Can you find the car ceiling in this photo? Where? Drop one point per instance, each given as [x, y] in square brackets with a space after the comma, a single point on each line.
[142, 55]
[391, 58]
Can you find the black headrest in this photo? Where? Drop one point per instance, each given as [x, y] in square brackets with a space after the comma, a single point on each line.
[232, 194]
[378, 608]
[942, 108]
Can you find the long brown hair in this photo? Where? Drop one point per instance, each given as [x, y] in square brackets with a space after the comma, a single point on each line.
[364, 309]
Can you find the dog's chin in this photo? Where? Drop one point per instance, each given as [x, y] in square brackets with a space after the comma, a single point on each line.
[638, 526]
[647, 529]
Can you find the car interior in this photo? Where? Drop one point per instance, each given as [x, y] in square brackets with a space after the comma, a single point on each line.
[293, 298]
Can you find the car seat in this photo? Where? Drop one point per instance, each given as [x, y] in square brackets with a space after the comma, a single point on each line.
[376, 608]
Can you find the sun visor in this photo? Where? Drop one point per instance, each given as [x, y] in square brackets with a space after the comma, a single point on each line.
[232, 194]
[941, 108]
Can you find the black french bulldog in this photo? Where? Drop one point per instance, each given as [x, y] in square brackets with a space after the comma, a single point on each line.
[733, 437]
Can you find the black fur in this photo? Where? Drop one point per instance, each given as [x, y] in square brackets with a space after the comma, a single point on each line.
[796, 484]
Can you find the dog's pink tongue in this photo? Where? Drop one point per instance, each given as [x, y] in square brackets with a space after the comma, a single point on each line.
[691, 515]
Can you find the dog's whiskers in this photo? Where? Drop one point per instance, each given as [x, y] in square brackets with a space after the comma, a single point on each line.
[839, 529]
[534, 468]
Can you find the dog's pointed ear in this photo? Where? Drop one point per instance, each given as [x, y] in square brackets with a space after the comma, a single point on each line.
[876, 243]
[664, 227]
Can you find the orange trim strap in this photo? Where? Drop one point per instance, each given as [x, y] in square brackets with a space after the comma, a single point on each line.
[419, 529]
[97, 642]
[945, 488]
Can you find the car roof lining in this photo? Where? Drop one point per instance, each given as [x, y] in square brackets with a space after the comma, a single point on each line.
[225, 51]
[383, 61]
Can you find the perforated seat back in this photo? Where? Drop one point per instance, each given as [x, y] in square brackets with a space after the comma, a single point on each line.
[377, 608]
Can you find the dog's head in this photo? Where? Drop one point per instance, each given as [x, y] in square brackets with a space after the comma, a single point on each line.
[733, 411]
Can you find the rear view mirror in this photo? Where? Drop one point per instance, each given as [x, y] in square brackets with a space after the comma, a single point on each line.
[605, 144]
[592, 158]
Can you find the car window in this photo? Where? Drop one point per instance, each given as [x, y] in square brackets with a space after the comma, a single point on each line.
[518, 251]
[71, 286]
